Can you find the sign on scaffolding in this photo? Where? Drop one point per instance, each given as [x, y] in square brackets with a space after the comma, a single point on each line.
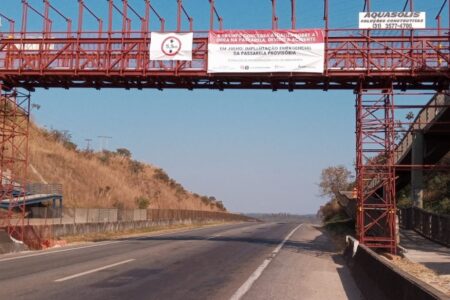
[266, 51]
[171, 46]
[392, 20]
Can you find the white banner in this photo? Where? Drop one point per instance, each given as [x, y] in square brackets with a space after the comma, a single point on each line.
[171, 46]
[266, 51]
[392, 20]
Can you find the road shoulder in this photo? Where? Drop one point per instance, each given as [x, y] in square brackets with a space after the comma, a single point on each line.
[307, 267]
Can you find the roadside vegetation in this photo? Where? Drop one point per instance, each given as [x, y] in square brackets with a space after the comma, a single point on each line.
[107, 179]
[332, 181]
[436, 196]
[436, 191]
[332, 214]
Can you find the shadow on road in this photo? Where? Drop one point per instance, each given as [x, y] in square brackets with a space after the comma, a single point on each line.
[316, 247]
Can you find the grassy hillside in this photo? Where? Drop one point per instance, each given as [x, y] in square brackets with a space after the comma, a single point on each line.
[106, 179]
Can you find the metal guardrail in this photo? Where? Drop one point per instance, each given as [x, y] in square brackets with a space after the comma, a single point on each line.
[432, 226]
[44, 189]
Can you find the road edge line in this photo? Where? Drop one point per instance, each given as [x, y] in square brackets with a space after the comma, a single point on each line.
[246, 286]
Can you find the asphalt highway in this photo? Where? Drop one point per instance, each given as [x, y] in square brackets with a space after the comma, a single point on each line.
[237, 261]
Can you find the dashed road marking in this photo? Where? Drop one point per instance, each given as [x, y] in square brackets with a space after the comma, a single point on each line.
[94, 270]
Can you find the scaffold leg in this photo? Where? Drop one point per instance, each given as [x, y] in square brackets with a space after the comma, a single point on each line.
[14, 131]
[375, 168]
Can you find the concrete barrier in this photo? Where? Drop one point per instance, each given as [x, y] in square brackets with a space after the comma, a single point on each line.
[378, 278]
[9, 245]
[54, 231]
[42, 232]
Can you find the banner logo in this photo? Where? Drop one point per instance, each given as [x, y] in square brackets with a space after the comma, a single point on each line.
[392, 20]
[171, 46]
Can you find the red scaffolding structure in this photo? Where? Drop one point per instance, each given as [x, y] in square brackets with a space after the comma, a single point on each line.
[14, 126]
[375, 167]
[370, 62]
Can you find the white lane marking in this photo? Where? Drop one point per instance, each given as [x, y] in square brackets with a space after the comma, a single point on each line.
[58, 251]
[213, 237]
[255, 275]
[94, 270]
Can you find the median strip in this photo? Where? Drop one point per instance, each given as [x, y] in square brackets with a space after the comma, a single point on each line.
[94, 270]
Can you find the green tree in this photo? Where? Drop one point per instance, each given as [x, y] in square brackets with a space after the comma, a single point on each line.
[334, 179]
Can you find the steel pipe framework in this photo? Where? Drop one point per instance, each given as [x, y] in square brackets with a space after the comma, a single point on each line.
[375, 148]
[122, 60]
[14, 127]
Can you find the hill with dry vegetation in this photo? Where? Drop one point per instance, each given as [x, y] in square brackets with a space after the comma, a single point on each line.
[106, 179]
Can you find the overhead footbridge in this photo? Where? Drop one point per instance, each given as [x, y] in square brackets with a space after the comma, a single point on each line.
[375, 63]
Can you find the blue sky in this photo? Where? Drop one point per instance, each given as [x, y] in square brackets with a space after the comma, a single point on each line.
[258, 151]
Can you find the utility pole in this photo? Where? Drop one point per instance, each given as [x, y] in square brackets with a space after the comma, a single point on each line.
[104, 141]
[88, 146]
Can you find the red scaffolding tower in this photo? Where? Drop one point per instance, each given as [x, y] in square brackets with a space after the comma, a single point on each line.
[375, 167]
[14, 126]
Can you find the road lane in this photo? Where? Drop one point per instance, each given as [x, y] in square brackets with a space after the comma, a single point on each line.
[19, 265]
[211, 263]
[39, 271]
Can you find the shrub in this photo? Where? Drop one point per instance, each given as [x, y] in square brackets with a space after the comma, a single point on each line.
[332, 211]
[220, 206]
[63, 137]
[124, 152]
[104, 158]
[161, 175]
[205, 200]
[142, 202]
[404, 197]
[136, 167]
[71, 146]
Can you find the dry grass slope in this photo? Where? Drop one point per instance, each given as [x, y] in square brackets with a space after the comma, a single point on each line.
[107, 179]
